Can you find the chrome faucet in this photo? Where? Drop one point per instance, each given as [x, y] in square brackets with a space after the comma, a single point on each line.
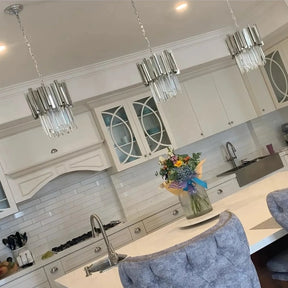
[113, 257]
[231, 153]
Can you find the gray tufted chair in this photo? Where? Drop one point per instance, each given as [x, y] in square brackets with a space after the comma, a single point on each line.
[217, 258]
[277, 202]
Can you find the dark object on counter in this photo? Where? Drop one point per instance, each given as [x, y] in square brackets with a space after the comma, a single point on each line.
[15, 241]
[84, 237]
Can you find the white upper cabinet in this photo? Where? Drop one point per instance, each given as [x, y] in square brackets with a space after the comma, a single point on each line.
[133, 129]
[33, 147]
[207, 104]
[181, 119]
[220, 100]
[275, 73]
[234, 95]
[259, 92]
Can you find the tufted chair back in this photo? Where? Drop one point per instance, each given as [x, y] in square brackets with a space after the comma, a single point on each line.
[218, 258]
[277, 203]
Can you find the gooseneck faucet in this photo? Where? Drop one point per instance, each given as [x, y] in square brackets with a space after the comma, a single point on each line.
[112, 255]
[231, 152]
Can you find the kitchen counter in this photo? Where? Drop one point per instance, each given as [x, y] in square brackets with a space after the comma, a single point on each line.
[249, 204]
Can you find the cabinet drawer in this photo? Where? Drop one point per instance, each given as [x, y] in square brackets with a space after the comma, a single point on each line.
[162, 218]
[137, 230]
[53, 271]
[36, 279]
[223, 190]
[94, 251]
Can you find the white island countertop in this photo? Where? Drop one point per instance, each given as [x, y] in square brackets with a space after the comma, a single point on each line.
[249, 204]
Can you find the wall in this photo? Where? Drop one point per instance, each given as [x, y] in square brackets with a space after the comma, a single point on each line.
[61, 210]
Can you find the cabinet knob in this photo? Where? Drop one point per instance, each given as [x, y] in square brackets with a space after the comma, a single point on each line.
[150, 154]
[229, 123]
[263, 110]
[232, 122]
[219, 191]
[53, 151]
[137, 230]
[175, 212]
[156, 173]
[53, 270]
[202, 134]
[97, 249]
[145, 155]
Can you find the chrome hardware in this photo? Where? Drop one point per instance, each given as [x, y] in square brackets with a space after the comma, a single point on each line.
[53, 151]
[97, 249]
[219, 191]
[137, 230]
[175, 212]
[54, 270]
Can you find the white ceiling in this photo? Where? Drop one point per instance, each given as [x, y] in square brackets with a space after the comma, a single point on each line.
[71, 34]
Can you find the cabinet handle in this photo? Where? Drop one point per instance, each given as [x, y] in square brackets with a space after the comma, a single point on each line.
[53, 270]
[219, 191]
[175, 212]
[53, 151]
[137, 230]
[97, 249]
[156, 173]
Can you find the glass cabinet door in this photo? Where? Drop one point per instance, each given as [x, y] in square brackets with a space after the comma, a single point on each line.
[122, 135]
[151, 123]
[277, 75]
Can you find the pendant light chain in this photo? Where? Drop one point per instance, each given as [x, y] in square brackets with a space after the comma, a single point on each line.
[141, 26]
[232, 14]
[28, 44]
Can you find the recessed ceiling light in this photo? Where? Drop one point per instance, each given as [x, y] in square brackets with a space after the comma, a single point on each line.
[181, 6]
[2, 48]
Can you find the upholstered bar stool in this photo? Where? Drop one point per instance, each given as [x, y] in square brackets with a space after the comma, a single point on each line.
[218, 258]
[277, 202]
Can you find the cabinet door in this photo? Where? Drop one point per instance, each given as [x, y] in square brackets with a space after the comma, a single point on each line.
[53, 271]
[234, 95]
[152, 129]
[259, 92]
[182, 121]
[121, 135]
[207, 104]
[277, 77]
[7, 202]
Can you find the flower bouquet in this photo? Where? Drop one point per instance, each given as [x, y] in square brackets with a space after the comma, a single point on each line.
[182, 175]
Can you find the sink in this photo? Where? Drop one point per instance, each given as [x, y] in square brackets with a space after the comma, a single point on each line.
[245, 164]
[254, 169]
[102, 265]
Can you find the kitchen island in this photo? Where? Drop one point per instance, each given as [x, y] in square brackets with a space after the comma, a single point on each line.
[249, 204]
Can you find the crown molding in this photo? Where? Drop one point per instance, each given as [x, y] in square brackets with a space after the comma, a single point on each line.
[20, 88]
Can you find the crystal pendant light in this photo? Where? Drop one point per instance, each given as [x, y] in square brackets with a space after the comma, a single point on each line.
[159, 70]
[245, 46]
[52, 104]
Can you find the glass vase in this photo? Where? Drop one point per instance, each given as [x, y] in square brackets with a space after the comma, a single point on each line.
[195, 204]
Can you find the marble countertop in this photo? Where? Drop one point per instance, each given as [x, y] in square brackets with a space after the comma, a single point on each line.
[249, 205]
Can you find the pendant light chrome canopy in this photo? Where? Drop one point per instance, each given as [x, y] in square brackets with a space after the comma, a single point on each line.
[50, 103]
[159, 70]
[245, 46]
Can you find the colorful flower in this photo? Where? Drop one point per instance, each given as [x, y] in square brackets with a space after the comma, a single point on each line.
[178, 163]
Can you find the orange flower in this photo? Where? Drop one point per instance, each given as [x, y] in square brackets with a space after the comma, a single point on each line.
[178, 163]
